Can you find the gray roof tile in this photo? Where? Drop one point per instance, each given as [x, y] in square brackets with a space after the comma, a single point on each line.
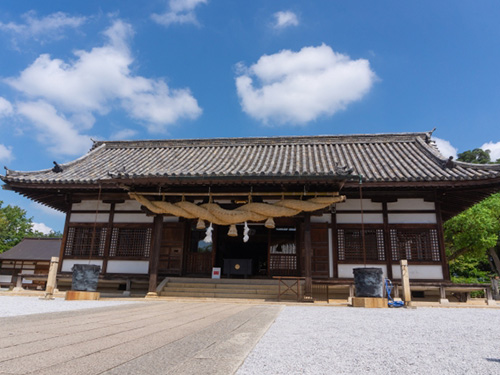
[378, 157]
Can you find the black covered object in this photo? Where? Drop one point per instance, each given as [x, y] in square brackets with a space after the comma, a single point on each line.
[85, 277]
[237, 267]
[369, 282]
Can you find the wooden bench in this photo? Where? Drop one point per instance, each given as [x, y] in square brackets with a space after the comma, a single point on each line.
[447, 286]
[333, 284]
[103, 279]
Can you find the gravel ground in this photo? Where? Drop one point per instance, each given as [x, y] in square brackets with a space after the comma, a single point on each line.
[14, 305]
[332, 340]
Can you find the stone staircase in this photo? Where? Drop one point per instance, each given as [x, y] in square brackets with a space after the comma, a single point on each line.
[264, 289]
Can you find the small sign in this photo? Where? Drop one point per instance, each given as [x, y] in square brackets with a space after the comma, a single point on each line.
[216, 273]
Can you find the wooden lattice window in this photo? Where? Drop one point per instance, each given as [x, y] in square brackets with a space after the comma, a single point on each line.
[350, 244]
[419, 244]
[283, 252]
[130, 242]
[85, 241]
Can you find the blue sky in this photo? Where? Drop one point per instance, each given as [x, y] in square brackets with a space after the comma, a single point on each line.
[121, 69]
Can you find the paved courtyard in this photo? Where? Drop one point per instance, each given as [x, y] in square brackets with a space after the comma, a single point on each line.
[141, 338]
[202, 337]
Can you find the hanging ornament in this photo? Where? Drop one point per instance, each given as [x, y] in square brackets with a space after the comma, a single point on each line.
[208, 235]
[232, 231]
[245, 232]
[270, 223]
[200, 224]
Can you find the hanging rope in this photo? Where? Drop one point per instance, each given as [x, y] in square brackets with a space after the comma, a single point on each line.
[388, 289]
[255, 212]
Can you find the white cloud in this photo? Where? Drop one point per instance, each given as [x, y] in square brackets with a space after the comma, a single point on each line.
[494, 150]
[54, 129]
[95, 82]
[124, 134]
[47, 210]
[5, 153]
[41, 227]
[5, 107]
[48, 27]
[285, 19]
[298, 87]
[179, 11]
[445, 147]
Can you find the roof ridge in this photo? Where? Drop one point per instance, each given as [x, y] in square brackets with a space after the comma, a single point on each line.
[225, 141]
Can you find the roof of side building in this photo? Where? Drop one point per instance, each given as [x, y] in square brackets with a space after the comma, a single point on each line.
[41, 249]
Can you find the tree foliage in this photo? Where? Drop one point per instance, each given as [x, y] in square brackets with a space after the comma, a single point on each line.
[14, 226]
[475, 231]
[476, 156]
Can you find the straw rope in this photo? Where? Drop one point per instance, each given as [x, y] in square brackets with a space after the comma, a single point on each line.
[213, 213]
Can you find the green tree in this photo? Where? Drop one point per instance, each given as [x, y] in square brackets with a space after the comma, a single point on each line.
[476, 156]
[475, 232]
[14, 226]
[51, 234]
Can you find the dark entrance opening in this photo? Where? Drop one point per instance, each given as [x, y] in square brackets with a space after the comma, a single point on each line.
[233, 248]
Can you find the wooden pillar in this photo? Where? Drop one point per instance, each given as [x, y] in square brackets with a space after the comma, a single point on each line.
[64, 239]
[335, 244]
[387, 241]
[442, 253]
[107, 242]
[405, 282]
[308, 257]
[154, 257]
[51, 278]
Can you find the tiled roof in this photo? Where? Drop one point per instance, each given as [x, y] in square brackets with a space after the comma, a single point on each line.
[33, 249]
[378, 158]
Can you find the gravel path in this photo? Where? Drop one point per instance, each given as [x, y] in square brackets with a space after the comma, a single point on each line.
[330, 340]
[14, 305]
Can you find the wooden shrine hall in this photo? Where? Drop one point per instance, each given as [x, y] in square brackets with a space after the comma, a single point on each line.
[312, 206]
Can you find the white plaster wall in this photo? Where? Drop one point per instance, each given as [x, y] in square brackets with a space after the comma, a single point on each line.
[91, 206]
[28, 266]
[356, 218]
[345, 270]
[28, 272]
[68, 263]
[5, 278]
[132, 218]
[355, 205]
[429, 272]
[89, 218]
[325, 218]
[411, 204]
[128, 266]
[412, 218]
[130, 205]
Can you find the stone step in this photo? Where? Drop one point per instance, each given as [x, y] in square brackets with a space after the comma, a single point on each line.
[223, 290]
[273, 296]
[220, 286]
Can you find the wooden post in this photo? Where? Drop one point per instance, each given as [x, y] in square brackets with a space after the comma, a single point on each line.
[155, 255]
[51, 278]
[308, 257]
[442, 295]
[494, 288]
[405, 281]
